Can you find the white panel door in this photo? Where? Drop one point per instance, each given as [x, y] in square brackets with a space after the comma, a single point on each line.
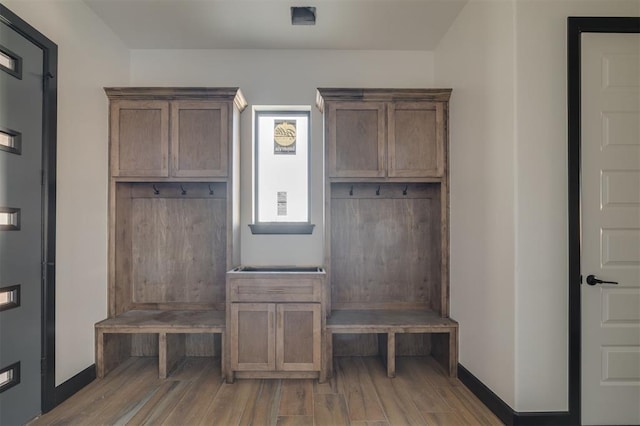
[610, 228]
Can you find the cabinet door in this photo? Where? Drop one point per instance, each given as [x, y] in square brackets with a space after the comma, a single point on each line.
[355, 135]
[199, 138]
[416, 139]
[139, 138]
[253, 336]
[298, 337]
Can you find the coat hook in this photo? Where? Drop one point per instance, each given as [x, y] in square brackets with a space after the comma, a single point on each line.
[404, 191]
[184, 191]
[156, 191]
[210, 190]
[351, 191]
[378, 190]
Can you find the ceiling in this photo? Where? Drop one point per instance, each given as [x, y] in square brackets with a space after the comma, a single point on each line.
[266, 24]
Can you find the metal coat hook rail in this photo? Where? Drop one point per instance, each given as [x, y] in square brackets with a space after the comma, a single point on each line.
[156, 191]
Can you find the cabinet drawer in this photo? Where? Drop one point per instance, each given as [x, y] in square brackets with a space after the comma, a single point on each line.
[265, 290]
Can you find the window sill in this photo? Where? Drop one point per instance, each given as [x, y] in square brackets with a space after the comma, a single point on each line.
[285, 228]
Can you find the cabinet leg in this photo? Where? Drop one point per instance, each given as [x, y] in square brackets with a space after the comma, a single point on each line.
[171, 349]
[328, 357]
[223, 357]
[99, 354]
[453, 353]
[391, 355]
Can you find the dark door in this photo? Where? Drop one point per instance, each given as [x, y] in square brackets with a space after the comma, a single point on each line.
[21, 225]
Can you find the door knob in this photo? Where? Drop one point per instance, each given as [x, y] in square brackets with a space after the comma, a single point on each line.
[593, 280]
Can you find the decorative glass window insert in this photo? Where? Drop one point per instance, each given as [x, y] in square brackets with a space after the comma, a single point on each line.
[7, 61]
[10, 62]
[9, 297]
[10, 141]
[282, 145]
[9, 376]
[9, 219]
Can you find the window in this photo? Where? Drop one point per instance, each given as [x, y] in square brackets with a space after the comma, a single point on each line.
[281, 158]
[10, 62]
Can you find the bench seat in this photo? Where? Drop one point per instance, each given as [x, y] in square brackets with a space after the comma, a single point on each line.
[171, 327]
[391, 322]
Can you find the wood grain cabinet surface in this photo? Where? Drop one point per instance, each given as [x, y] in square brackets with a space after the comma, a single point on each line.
[275, 337]
[139, 138]
[168, 134]
[199, 138]
[378, 133]
[275, 323]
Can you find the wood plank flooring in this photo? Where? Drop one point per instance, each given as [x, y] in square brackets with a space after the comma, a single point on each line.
[360, 394]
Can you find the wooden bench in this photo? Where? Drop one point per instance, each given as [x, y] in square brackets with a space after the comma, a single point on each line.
[171, 327]
[389, 323]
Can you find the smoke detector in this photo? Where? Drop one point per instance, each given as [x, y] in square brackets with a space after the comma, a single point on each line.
[303, 15]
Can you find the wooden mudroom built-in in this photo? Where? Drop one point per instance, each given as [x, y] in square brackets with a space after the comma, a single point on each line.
[386, 224]
[177, 285]
[173, 223]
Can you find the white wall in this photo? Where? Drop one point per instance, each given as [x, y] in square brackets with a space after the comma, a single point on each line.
[281, 77]
[476, 59]
[506, 60]
[89, 58]
[542, 293]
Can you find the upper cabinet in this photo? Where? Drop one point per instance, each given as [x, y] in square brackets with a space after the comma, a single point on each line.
[355, 134]
[171, 133]
[199, 138]
[385, 133]
[139, 138]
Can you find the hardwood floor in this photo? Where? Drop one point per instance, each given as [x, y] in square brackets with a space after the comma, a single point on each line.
[360, 394]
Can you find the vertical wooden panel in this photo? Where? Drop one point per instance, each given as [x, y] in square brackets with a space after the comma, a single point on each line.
[413, 344]
[201, 345]
[144, 344]
[355, 344]
[120, 261]
[178, 250]
[382, 251]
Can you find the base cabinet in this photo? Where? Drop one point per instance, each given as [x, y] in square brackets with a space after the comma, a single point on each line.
[275, 337]
[275, 322]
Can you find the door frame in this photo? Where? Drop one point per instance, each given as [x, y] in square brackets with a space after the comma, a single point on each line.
[575, 27]
[49, 130]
